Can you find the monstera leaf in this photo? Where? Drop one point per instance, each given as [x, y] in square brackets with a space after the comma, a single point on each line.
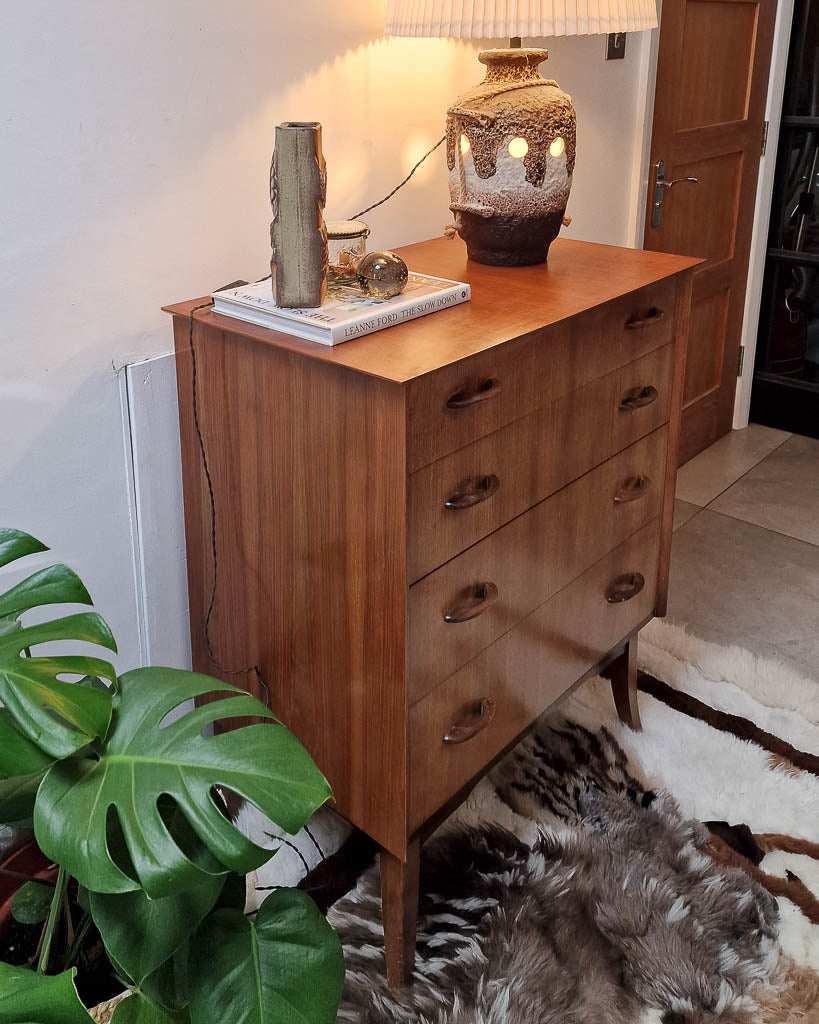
[22, 767]
[125, 920]
[29, 998]
[287, 965]
[54, 714]
[145, 763]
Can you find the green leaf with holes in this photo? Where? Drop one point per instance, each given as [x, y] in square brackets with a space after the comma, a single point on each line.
[287, 965]
[59, 716]
[53, 713]
[29, 998]
[145, 761]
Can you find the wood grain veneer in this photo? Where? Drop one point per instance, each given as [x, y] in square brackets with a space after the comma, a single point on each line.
[531, 458]
[506, 303]
[335, 564]
[309, 478]
[524, 672]
[529, 559]
[533, 371]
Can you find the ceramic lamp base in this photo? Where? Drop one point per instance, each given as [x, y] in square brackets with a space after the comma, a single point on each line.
[510, 154]
[508, 241]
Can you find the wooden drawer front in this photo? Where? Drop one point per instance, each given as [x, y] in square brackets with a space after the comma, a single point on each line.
[491, 700]
[511, 470]
[499, 581]
[477, 396]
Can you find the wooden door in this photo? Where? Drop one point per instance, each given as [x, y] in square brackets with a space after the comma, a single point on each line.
[712, 77]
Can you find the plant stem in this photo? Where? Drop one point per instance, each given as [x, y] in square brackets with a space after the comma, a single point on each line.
[69, 924]
[53, 918]
[76, 946]
[36, 952]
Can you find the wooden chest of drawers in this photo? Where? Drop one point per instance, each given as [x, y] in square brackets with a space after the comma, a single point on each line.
[428, 535]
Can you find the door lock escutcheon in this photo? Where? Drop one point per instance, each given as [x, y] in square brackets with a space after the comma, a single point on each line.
[660, 185]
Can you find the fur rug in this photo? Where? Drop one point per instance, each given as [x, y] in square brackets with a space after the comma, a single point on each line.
[574, 885]
[612, 906]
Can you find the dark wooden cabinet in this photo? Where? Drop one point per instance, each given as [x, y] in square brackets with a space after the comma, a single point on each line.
[426, 536]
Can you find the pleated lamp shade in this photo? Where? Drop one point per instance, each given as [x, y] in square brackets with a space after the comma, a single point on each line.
[499, 19]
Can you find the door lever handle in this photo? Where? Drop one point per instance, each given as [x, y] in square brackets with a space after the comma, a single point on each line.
[659, 185]
[676, 181]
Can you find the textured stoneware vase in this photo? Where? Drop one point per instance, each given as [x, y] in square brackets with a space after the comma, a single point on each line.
[298, 235]
[509, 200]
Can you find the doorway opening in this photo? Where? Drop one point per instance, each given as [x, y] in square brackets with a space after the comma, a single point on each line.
[785, 390]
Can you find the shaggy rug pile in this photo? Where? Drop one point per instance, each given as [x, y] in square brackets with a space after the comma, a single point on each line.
[603, 876]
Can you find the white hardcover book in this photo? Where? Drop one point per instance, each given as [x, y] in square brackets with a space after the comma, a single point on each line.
[346, 313]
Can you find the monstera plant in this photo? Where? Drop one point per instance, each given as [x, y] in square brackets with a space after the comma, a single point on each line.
[122, 778]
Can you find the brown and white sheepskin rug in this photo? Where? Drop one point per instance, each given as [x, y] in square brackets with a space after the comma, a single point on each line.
[599, 902]
[579, 884]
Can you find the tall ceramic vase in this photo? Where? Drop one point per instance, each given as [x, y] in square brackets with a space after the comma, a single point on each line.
[510, 152]
[298, 236]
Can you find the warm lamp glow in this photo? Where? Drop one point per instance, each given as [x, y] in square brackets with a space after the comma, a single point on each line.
[557, 146]
[518, 148]
[465, 147]
[488, 19]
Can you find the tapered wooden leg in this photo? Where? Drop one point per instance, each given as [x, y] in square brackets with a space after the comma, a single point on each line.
[399, 912]
[623, 675]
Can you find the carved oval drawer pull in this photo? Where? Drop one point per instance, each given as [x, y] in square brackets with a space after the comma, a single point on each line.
[638, 397]
[653, 316]
[623, 588]
[473, 396]
[474, 492]
[633, 489]
[480, 599]
[470, 720]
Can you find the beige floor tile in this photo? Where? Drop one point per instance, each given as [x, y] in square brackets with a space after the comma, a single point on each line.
[735, 583]
[781, 492]
[683, 511]
[712, 471]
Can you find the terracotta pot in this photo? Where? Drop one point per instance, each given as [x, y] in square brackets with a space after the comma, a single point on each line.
[510, 153]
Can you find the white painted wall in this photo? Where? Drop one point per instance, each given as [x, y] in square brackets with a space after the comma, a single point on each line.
[136, 140]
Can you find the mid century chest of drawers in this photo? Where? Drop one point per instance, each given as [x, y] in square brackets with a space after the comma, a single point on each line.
[428, 535]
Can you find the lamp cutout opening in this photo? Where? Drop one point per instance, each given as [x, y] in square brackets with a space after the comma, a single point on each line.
[465, 146]
[518, 148]
[557, 146]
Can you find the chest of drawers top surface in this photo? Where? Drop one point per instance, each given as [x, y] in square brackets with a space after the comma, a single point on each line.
[506, 303]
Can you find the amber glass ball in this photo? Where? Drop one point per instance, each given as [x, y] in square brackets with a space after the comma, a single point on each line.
[382, 274]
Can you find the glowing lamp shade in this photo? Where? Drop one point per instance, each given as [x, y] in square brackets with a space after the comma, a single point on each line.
[487, 19]
[511, 138]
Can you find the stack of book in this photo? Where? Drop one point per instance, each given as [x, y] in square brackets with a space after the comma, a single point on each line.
[346, 313]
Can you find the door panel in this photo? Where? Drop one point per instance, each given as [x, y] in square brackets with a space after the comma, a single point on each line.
[712, 76]
[712, 30]
[712, 236]
[709, 314]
